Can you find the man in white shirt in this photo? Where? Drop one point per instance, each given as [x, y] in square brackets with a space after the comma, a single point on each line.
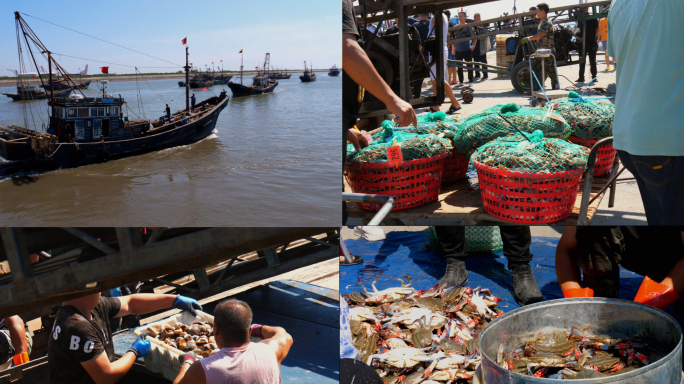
[239, 361]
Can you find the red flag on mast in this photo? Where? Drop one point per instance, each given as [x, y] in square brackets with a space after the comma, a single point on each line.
[185, 40]
[240, 51]
[104, 69]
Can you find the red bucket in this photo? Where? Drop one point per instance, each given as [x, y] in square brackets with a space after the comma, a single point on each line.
[604, 158]
[411, 183]
[529, 198]
[455, 167]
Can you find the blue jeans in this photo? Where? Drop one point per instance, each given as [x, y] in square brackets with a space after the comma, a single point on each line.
[661, 184]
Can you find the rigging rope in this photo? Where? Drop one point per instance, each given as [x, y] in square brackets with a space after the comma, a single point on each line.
[106, 62]
[108, 42]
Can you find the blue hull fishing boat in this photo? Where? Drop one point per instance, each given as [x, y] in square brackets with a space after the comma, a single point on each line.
[86, 130]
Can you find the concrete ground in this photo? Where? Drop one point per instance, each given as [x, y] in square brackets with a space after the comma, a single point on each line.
[628, 208]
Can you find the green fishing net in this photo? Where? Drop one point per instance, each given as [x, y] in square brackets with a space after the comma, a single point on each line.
[435, 123]
[413, 146]
[487, 125]
[589, 119]
[480, 239]
[538, 154]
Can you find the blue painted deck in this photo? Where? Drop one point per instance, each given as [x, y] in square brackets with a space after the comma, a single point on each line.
[407, 253]
[309, 313]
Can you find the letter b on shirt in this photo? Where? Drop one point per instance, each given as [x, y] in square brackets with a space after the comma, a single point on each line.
[75, 340]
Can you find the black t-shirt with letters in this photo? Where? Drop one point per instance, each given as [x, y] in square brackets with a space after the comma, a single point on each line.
[75, 340]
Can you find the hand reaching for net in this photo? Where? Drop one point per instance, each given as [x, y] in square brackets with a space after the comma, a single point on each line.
[405, 115]
[358, 139]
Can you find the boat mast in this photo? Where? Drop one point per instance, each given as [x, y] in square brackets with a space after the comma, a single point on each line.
[187, 81]
[52, 91]
[241, 59]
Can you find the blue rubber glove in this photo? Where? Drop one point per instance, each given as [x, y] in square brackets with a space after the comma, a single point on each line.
[525, 40]
[115, 292]
[141, 348]
[186, 304]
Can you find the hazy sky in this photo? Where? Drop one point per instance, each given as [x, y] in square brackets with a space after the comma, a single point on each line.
[292, 31]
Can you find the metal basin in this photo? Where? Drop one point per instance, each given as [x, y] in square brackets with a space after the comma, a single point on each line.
[606, 316]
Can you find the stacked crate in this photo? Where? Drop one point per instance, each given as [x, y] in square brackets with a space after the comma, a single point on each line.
[501, 59]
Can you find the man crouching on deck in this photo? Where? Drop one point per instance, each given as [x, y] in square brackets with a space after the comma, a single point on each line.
[81, 349]
[239, 361]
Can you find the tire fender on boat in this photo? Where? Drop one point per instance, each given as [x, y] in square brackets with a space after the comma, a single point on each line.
[77, 154]
[200, 127]
[106, 155]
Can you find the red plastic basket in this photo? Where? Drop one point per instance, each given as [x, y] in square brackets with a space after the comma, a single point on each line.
[455, 167]
[411, 183]
[604, 158]
[530, 198]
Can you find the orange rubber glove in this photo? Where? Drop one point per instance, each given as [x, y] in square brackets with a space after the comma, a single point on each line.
[655, 294]
[20, 359]
[578, 292]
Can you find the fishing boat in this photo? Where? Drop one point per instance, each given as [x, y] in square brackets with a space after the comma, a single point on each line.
[201, 81]
[261, 83]
[85, 130]
[30, 92]
[280, 75]
[59, 85]
[308, 75]
[334, 71]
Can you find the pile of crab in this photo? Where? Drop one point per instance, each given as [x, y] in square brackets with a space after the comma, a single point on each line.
[421, 336]
[557, 354]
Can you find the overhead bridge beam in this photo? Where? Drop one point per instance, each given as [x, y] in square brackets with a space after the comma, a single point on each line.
[131, 263]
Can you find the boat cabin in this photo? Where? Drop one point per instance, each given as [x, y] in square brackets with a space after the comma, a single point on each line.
[89, 119]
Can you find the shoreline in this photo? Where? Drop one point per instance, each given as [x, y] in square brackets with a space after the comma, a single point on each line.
[112, 79]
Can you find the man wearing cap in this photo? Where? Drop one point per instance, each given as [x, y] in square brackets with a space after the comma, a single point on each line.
[81, 349]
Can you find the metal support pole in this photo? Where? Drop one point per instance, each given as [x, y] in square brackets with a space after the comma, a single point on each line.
[201, 278]
[439, 76]
[156, 234]
[17, 255]
[386, 201]
[271, 257]
[404, 84]
[125, 239]
[589, 178]
[91, 240]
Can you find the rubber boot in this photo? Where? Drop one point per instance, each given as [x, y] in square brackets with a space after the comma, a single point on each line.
[455, 274]
[524, 285]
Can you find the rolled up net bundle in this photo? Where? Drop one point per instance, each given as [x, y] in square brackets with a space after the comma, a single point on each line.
[589, 119]
[413, 146]
[488, 125]
[536, 154]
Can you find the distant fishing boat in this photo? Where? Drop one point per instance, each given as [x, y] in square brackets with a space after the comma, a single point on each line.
[334, 71]
[261, 82]
[308, 76]
[85, 130]
[28, 93]
[280, 75]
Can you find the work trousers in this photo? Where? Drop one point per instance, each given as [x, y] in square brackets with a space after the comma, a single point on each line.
[516, 242]
[549, 69]
[465, 56]
[478, 58]
[591, 52]
[192, 107]
[661, 185]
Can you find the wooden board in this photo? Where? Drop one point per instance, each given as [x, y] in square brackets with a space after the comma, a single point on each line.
[460, 201]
